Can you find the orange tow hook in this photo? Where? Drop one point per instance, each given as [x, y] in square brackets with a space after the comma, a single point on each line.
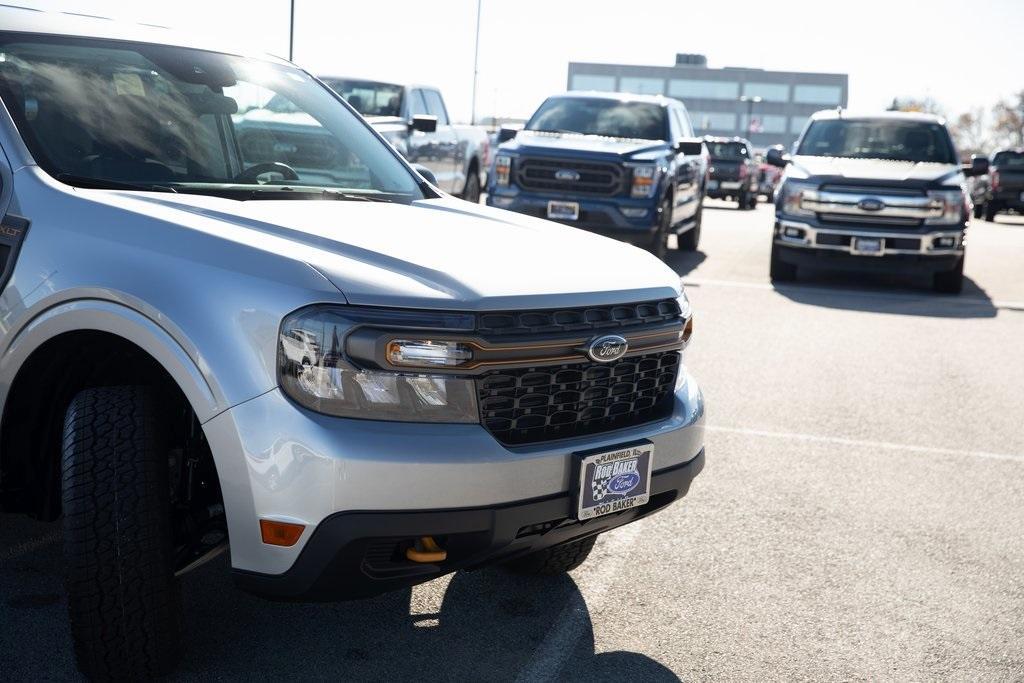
[426, 551]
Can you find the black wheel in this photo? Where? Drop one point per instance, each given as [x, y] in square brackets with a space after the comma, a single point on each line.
[690, 240]
[780, 271]
[742, 201]
[950, 281]
[752, 200]
[471, 192]
[659, 240]
[990, 211]
[123, 599]
[552, 561]
[979, 210]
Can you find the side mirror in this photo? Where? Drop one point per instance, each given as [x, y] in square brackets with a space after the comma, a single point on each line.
[427, 174]
[424, 123]
[776, 157]
[978, 166]
[506, 134]
[691, 147]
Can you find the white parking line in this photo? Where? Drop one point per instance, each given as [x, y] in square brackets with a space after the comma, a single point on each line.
[893, 296]
[863, 443]
[570, 625]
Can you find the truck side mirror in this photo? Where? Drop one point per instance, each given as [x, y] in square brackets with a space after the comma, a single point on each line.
[506, 134]
[978, 166]
[424, 123]
[776, 157]
[691, 147]
[427, 174]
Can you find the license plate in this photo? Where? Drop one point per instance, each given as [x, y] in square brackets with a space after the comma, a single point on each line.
[868, 246]
[730, 185]
[563, 211]
[612, 481]
[712, 184]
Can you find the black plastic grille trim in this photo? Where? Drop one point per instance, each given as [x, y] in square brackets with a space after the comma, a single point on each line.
[590, 318]
[530, 405]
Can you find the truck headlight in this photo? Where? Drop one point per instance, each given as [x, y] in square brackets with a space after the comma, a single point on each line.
[644, 181]
[793, 194]
[502, 170]
[315, 370]
[953, 204]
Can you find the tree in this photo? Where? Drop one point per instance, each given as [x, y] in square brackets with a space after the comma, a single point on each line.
[1008, 122]
[969, 133]
[920, 104]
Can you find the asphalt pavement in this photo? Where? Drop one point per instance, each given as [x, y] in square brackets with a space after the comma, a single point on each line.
[860, 515]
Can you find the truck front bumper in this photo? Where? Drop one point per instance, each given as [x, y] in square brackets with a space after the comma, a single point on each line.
[601, 215]
[362, 488]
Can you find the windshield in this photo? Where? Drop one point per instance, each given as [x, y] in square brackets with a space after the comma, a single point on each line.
[879, 139]
[114, 114]
[370, 98]
[729, 151]
[598, 116]
[1009, 160]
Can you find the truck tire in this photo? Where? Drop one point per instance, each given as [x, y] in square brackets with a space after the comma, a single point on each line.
[742, 201]
[659, 240]
[123, 598]
[990, 211]
[779, 270]
[950, 281]
[556, 560]
[690, 240]
[471, 191]
[979, 210]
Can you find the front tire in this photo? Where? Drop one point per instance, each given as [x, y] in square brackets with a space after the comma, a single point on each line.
[979, 210]
[471, 191]
[554, 561]
[659, 240]
[779, 270]
[123, 599]
[950, 281]
[990, 211]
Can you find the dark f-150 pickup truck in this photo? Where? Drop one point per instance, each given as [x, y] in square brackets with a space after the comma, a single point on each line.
[625, 166]
[879, 192]
[1002, 189]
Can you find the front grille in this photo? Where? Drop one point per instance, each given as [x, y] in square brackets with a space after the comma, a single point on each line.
[868, 219]
[591, 318]
[593, 178]
[528, 405]
[873, 190]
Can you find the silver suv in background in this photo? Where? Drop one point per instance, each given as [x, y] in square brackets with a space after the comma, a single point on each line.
[881, 192]
[353, 381]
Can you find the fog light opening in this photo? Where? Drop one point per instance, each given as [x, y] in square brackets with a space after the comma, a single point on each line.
[944, 242]
[793, 233]
[634, 213]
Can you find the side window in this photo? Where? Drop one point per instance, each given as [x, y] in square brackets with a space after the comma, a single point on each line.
[417, 106]
[684, 120]
[435, 105]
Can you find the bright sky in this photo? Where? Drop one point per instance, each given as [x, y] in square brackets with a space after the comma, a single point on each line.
[963, 54]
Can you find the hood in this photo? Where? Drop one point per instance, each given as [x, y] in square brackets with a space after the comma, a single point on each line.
[558, 144]
[439, 253]
[884, 170]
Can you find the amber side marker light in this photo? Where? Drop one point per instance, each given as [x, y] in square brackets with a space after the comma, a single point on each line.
[280, 533]
[687, 330]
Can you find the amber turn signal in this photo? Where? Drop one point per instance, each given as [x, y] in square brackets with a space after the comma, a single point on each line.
[280, 533]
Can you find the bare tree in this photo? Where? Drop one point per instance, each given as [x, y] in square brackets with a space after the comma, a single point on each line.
[1008, 122]
[969, 132]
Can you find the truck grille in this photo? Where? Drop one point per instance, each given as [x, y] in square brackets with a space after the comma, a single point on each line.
[593, 178]
[528, 405]
[592, 318]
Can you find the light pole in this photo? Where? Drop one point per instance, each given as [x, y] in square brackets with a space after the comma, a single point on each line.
[291, 31]
[476, 61]
[751, 101]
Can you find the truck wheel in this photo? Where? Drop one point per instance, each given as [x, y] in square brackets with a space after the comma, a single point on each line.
[659, 240]
[742, 201]
[979, 210]
[690, 239]
[752, 200]
[471, 192]
[780, 271]
[553, 561]
[950, 281]
[123, 599]
[990, 211]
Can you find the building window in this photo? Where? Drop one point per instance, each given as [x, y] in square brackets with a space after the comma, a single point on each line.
[766, 123]
[817, 94]
[796, 124]
[711, 90]
[589, 82]
[713, 121]
[770, 92]
[642, 86]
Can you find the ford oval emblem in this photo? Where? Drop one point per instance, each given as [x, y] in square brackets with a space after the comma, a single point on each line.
[567, 174]
[623, 483]
[870, 204]
[608, 348]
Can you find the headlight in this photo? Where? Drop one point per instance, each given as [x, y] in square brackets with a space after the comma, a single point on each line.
[315, 368]
[502, 170]
[793, 193]
[687, 313]
[952, 203]
[644, 182]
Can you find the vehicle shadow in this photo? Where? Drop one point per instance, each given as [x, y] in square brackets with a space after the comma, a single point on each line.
[878, 293]
[684, 262]
[487, 626]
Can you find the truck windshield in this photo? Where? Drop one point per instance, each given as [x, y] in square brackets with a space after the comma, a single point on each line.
[599, 116]
[917, 141]
[1009, 160]
[136, 116]
[729, 151]
[369, 98]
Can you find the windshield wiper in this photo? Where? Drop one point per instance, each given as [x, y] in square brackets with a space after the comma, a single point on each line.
[104, 184]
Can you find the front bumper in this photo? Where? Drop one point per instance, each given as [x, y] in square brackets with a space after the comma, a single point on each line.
[603, 215]
[278, 461]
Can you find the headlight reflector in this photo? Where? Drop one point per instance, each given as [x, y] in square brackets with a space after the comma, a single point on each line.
[953, 206]
[644, 181]
[792, 197]
[502, 170]
[424, 352]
